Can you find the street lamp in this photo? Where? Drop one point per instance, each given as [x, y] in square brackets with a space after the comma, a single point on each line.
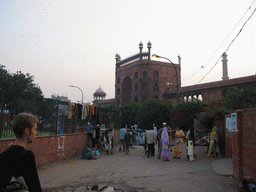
[157, 56]
[80, 90]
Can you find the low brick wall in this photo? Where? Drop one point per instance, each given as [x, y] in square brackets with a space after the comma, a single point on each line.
[49, 149]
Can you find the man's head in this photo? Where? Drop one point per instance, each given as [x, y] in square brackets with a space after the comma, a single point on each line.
[88, 123]
[25, 124]
[164, 124]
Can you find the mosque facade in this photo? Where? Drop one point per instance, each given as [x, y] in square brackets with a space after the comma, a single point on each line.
[138, 78]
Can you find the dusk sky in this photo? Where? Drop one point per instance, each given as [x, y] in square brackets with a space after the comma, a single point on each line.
[64, 43]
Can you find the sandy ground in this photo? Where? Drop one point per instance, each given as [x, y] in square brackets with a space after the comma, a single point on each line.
[135, 172]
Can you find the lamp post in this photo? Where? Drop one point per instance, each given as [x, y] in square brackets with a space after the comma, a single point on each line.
[157, 56]
[80, 90]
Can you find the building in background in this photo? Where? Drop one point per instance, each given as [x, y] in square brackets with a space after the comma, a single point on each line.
[138, 78]
[99, 99]
[63, 105]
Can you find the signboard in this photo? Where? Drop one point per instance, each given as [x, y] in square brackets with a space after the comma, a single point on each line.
[234, 122]
[228, 124]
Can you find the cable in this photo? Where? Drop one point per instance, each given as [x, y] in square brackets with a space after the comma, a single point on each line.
[241, 29]
[224, 39]
[230, 43]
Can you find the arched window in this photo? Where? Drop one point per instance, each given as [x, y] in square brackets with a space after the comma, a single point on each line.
[136, 88]
[118, 80]
[145, 74]
[145, 87]
[155, 75]
[155, 87]
[144, 98]
[136, 75]
[118, 91]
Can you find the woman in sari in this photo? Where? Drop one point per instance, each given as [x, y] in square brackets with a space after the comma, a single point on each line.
[165, 143]
[214, 140]
[178, 146]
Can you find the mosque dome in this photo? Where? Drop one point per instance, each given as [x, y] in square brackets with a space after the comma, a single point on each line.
[99, 93]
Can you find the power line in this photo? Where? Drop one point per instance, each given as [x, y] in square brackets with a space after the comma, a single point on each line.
[230, 43]
[224, 40]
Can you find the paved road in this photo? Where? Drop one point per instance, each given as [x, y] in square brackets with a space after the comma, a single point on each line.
[136, 172]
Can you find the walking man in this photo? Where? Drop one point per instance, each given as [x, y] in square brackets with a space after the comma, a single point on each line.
[16, 160]
[151, 139]
[122, 141]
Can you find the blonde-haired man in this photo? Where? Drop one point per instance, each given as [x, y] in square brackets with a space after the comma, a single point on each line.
[16, 160]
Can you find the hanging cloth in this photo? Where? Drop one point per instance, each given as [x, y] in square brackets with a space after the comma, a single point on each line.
[91, 111]
[84, 111]
[79, 114]
[70, 109]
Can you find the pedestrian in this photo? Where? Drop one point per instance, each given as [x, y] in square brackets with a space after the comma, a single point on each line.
[107, 142]
[121, 137]
[127, 141]
[190, 143]
[165, 144]
[155, 130]
[159, 142]
[96, 136]
[16, 160]
[111, 137]
[178, 143]
[151, 139]
[89, 130]
[170, 138]
[214, 142]
[133, 136]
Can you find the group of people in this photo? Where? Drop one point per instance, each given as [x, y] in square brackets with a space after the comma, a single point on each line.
[165, 142]
[151, 137]
[18, 162]
[96, 139]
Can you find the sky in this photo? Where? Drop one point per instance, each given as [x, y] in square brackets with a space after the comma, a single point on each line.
[64, 43]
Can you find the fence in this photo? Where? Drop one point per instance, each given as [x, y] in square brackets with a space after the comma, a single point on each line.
[53, 115]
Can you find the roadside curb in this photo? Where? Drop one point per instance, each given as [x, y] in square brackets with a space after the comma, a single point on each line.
[223, 166]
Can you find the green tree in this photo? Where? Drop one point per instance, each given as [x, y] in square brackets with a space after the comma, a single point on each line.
[212, 110]
[241, 98]
[129, 113]
[184, 114]
[154, 111]
[22, 94]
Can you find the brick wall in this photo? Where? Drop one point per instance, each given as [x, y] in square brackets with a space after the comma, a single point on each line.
[52, 148]
[49, 149]
[241, 145]
[249, 142]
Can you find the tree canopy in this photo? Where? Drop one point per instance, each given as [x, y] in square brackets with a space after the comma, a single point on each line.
[154, 111]
[185, 113]
[19, 93]
[241, 98]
